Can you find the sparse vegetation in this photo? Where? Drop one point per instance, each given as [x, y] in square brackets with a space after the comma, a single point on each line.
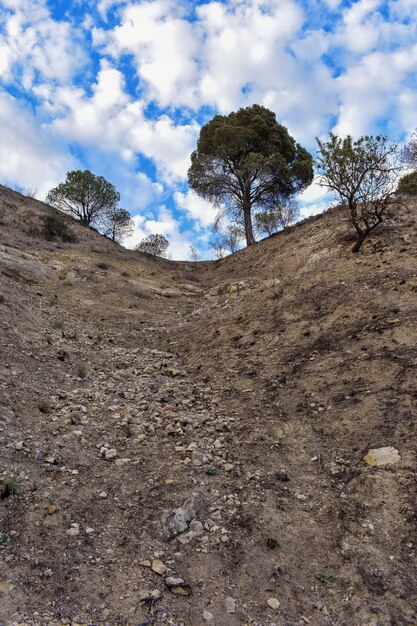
[247, 162]
[275, 219]
[82, 370]
[30, 192]
[240, 398]
[54, 228]
[324, 577]
[44, 406]
[8, 488]
[363, 174]
[226, 239]
[272, 543]
[194, 254]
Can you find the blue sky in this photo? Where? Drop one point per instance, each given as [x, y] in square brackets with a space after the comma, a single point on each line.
[122, 88]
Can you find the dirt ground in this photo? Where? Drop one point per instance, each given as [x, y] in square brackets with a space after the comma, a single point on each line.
[184, 443]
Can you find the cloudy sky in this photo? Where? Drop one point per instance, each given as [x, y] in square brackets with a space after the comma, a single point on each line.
[122, 88]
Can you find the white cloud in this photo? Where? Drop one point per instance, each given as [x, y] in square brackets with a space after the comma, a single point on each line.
[110, 119]
[104, 6]
[202, 212]
[315, 208]
[333, 4]
[29, 155]
[314, 192]
[164, 224]
[233, 54]
[315, 199]
[363, 106]
[34, 47]
[164, 47]
[168, 144]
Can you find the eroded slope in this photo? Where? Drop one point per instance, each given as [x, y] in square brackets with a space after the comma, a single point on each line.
[245, 393]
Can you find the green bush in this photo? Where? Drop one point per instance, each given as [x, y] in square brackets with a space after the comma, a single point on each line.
[54, 228]
[408, 184]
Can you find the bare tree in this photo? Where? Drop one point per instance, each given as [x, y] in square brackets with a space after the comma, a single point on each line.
[364, 175]
[272, 220]
[30, 192]
[226, 238]
[218, 249]
[194, 254]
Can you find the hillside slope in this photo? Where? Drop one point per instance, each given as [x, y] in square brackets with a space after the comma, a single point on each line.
[207, 422]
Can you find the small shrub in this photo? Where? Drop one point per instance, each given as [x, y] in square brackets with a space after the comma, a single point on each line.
[54, 228]
[44, 406]
[408, 184]
[7, 488]
[82, 370]
[272, 543]
[324, 577]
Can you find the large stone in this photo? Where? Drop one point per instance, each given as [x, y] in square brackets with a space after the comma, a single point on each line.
[207, 616]
[382, 456]
[201, 457]
[158, 567]
[7, 415]
[172, 581]
[176, 521]
[273, 603]
[23, 266]
[195, 530]
[230, 604]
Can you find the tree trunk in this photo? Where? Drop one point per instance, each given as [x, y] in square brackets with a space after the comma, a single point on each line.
[358, 244]
[250, 239]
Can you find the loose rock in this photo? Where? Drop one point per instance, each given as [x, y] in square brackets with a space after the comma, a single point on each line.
[230, 604]
[171, 581]
[176, 521]
[111, 454]
[158, 567]
[273, 603]
[7, 415]
[382, 456]
[207, 616]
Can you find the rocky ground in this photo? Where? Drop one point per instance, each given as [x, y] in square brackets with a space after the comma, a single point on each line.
[188, 444]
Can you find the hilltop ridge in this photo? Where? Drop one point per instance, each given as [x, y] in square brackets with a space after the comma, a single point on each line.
[184, 443]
